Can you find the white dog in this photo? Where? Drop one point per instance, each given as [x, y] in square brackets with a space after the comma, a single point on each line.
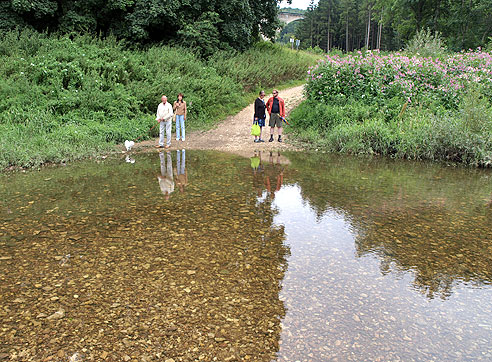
[129, 145]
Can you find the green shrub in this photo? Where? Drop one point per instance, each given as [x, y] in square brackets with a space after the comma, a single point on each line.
[370, 137]
[419, 134]
[80, 95]
[427, 44]
[401, 106]
[324, 117]
[264, 65]
[476, 111]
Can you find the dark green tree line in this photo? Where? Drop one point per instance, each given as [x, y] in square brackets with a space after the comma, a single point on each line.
[207, 25]
[390, 24]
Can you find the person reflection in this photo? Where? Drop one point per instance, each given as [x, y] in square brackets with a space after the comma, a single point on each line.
[166, 180]
[180, 170]
[275, 174]
[257, 168]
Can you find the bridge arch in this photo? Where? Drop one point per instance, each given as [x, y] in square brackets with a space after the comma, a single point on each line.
[289, 17]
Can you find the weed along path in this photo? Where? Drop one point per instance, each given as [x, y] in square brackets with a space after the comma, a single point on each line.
[233, 134]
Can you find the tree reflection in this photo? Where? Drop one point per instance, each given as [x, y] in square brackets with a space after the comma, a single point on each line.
[440, 246]
[425, 219]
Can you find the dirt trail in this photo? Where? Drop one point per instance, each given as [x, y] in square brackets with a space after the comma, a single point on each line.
[233, 134]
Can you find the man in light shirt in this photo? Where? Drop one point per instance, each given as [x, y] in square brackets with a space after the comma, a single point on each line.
[164, 116]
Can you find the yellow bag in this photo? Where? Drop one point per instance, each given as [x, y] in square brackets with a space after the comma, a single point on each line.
[255, 129]
[255, 162]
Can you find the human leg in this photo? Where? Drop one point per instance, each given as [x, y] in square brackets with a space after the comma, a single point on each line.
[168, 133]
[261, 123]
[272, 122]
[183, 135]
[180, 132]
[161, 133]
[177, 128]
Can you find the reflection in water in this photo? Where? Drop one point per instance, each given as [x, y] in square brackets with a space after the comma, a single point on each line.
[129, 159]
[447, 251]
[93, 262]
[181, 174]
[194, 278]
[426, 219]
[269, 176]
[166, 180]
[369, 231]
[274, 173]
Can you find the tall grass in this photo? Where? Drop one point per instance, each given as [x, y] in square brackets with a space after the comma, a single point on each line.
[68, 97]
[464, 136]
[265, 65]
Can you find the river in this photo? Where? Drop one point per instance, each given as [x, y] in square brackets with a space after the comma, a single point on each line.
[208, 256]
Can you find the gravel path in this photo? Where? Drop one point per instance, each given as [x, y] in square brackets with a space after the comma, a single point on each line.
[233, 134]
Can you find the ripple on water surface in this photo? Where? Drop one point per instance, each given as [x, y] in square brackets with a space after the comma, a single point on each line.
[202, 255]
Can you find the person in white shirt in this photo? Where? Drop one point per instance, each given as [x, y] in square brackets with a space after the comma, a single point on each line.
[164, 116]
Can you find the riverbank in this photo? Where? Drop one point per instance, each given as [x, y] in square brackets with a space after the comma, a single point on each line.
[402, 106]
[67, 98]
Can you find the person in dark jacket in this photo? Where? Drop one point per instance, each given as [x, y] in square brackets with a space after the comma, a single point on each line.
[260, 114]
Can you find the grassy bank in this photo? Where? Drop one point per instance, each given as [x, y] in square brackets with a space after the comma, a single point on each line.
[65, 98]
[401, 106]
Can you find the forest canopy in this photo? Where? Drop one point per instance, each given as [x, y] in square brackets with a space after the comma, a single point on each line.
[204, 24]
[390, 24]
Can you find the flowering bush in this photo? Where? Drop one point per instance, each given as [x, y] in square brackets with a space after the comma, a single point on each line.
[373, 77]
[355, 105]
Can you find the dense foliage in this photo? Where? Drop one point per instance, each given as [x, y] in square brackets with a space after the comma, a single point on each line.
[411, 107]
[65, 98]
[412, 78]
[199, 23]
[390, 24]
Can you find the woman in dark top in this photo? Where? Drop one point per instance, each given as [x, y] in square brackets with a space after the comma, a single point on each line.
[260, 114]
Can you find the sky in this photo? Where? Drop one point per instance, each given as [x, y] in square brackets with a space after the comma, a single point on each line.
[299, 4]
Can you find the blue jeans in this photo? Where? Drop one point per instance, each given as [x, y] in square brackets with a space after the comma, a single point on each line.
[180, 126]
[181, 161]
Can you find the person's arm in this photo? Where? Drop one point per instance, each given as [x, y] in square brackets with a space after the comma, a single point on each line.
[170, 113]
[157, 116]
[186, 111]
[269, 105]
[257, 112]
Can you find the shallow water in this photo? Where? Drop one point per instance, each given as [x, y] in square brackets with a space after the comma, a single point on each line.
[299, 257]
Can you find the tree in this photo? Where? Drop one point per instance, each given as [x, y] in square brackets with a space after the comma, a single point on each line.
[236, 23]
[347, 7]
[350, 24]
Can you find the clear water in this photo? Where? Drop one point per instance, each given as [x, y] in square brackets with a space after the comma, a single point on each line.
[301, 257]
